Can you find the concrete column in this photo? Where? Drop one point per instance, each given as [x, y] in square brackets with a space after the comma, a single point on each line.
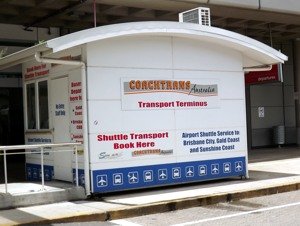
[297, 85]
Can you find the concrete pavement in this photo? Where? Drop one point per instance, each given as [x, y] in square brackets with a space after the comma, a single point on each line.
[271, 171]
[28, 194]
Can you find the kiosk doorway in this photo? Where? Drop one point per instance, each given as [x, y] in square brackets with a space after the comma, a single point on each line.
[11, 131]
[61, 134]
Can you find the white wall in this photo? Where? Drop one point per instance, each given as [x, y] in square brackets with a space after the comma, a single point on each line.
[113, 109]
[155, 57]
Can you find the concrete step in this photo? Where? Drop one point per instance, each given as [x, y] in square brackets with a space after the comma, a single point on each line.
[28, 194]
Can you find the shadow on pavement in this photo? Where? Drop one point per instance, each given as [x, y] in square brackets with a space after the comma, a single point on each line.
[17, 216]
[272, 154]
[264, 175]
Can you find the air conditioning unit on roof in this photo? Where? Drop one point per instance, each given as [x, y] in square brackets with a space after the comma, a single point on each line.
[199, 15]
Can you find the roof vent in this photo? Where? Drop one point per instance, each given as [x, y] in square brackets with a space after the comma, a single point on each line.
[199, 15]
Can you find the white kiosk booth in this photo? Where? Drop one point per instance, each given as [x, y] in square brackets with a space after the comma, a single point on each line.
[154, 103]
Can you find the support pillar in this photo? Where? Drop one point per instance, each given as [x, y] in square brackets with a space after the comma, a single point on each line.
[297, 85]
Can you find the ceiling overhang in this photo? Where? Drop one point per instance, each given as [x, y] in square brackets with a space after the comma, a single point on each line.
[74, 15]
[254, 53]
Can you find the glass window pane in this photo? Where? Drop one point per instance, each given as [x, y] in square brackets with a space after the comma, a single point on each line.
[43, 105]
[31, 117]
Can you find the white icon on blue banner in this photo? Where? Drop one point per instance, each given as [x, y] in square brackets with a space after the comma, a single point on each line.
[35, 174]
[29, 172]
[133, 177]
[102, 180]
[47, 174]
[82, 180]
[176, 173]
[238, 166]
[215, 168]
[148, 175]
[202, 170]
[118, 178]
[227, 167]
[162, 174]
[189, 171]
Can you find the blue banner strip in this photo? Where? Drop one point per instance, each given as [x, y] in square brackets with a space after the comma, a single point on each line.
[34, 173]
[110, 180]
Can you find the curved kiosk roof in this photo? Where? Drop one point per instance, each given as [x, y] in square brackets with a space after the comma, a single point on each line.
[254, 53]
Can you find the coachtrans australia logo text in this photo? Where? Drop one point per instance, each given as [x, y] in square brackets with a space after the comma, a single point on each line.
[184, 87]
[169, 94]
[151, 152]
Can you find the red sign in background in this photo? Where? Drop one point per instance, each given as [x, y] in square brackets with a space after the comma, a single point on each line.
[255, 77]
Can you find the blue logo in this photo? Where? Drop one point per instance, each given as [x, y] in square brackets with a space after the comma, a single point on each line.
[35, 173]
[133, 177]
[227, 167]
[215, 168]
[162, 174]
[81, 180]
[238, 166]
[28, 172]
[202, 170]
[118, 178]
[102, 180]
[189, 171]
[148, 175]
[47, 174]
[176, 173]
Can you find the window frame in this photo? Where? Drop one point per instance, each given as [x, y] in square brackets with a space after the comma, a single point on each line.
[26, 105]
[37, 107]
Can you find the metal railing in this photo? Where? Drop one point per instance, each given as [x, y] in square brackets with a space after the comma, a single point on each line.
[4, 149]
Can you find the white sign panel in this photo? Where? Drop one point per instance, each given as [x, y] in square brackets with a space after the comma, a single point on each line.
[132, 146]
[129, 153]
[261, 112]
[206, 141]
[36, 138]
[150, 94]
[75, 98]
[36, 70]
